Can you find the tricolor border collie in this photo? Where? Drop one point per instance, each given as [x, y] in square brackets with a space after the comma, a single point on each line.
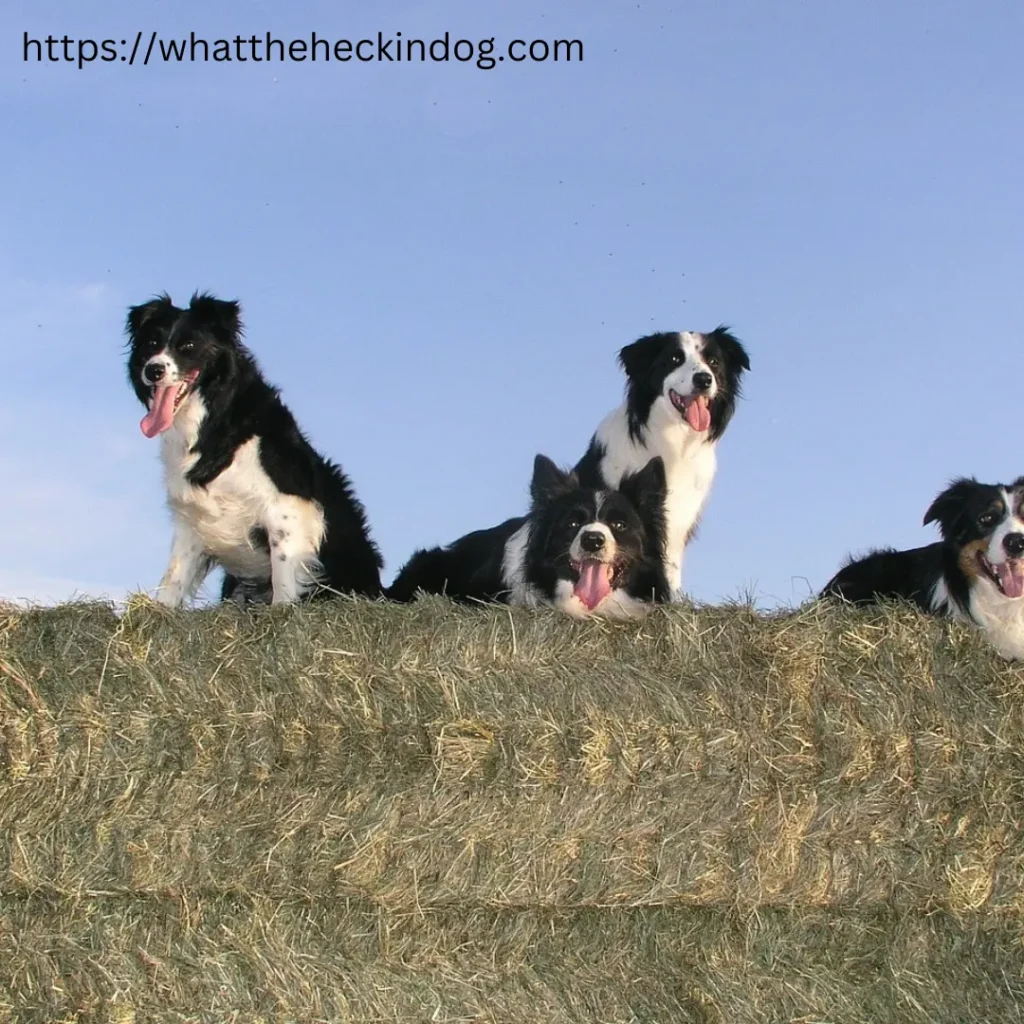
[245, 488]
[975, 574]
[681, 393]
[583, 551]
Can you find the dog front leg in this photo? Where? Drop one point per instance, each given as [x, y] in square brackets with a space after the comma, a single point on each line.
[187, 568]
[674, 576]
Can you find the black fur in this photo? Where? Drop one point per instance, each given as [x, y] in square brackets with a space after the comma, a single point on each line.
[206, 336]
[886, 573]
[472, 568]
[966, 512]
[649, 361]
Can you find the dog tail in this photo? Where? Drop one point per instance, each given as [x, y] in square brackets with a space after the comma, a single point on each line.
[428, 571]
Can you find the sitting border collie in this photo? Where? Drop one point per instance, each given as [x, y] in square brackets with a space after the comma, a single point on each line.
[245, 488]
[585, 551]
[975, 574]
[681, 393]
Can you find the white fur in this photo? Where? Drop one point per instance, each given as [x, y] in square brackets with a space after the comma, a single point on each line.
[617, 605]
[942, 604]
[215, 523]
[999, 618]
[513, 568]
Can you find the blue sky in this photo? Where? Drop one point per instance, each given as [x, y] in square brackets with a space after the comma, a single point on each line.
[438, 263]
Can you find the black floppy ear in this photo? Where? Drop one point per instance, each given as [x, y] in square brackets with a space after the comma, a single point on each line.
[550, 482]
[141, 315]
[221, 317]
[732, 348]
[947, 507]
[638, 358]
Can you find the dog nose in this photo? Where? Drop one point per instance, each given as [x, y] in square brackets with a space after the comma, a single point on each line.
[154, 372]
[702, 380]
[1013, 544]
[592, 540]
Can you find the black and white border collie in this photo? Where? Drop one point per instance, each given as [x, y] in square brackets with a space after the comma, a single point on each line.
[975, 574]
[584, 551]
[681, 393]
[245, 488]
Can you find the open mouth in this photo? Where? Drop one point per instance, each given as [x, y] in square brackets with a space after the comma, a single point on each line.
[164, 403]
[696, 409]
[596, 580]
[1007, 577]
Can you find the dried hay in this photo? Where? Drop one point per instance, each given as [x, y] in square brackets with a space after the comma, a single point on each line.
[366, 813]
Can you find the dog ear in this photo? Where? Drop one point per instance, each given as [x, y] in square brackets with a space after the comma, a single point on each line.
[946, 508]
[732, 348]
[222, 317]
[139, 316]
[550, 482]
[638, 358]
[646, 488]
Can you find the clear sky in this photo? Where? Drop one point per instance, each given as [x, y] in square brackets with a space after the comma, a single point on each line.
[438, 263]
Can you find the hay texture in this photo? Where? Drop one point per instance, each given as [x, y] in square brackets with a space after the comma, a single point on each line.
[358, 812]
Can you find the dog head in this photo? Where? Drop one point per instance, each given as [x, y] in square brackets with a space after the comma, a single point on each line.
[174, 353]
[597, 552]
[687, 377]
[985, 524]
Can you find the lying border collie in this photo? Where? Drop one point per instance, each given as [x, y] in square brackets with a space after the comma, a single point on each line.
[681, 393]
[585, 551]
[246, 489]
[974, 574]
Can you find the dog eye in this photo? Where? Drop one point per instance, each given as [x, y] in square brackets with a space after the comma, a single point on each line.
[987, 519]
[713, 362]
[618, 526]
[677, 359]
[187, 346]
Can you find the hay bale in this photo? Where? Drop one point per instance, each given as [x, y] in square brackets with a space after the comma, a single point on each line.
[362, 812]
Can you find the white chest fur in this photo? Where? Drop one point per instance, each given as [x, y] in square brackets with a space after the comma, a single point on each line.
[217, 521]
[690, 464]
[223, 514]
[1001, 620]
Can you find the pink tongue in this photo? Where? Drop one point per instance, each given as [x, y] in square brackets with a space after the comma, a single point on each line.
[698, 415]
[595, 584]
[1012, 579]
[161, 415]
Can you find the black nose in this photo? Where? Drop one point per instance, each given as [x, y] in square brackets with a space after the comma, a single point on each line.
[154, 372]
[592, 540]
[1013, 543]
[702, 380]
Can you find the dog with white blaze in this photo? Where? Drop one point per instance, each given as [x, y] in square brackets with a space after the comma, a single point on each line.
[580, 550]
[974, 574]
[681, 393]
[246, 489]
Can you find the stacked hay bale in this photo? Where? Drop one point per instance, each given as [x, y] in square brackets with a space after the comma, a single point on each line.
[364, 813]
